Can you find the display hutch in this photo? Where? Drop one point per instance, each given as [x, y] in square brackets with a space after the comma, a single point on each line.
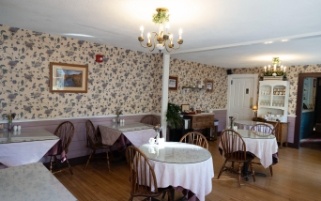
[273, 106]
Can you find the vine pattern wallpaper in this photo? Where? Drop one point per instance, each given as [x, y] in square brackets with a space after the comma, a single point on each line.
[127, 79]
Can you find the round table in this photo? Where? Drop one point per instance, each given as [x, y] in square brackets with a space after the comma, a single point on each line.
[180, 164]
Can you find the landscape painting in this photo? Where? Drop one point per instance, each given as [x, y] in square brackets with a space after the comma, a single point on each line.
[70, 78]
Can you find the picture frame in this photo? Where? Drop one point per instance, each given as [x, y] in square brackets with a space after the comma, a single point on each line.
[172, 82]
[185, 107]
[68, 78]
[209, 85]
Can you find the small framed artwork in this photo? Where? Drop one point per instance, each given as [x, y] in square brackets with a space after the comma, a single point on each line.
[209, 85]
[185, 107]
[172, 83]
[69, 78]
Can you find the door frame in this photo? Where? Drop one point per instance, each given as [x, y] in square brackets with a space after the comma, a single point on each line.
[298, 111]
[230, 78]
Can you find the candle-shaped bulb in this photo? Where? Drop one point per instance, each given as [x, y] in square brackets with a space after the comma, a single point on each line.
[166, 27]
[265, 69]
[171, 38]
[180, 32]
[141, 31]
[274, 67]
[284, 69]
[148, 37]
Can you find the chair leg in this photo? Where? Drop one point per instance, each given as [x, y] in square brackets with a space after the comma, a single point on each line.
[90, 156]
[51, 159]
[271, 170]
[223, 166]
[239, 173]
[252, 170]
[69, 166]
[108, 165]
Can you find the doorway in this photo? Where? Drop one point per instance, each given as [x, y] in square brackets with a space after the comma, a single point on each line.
[308, 118]
[241, 96]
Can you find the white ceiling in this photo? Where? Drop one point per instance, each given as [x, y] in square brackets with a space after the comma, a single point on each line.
[228, 33]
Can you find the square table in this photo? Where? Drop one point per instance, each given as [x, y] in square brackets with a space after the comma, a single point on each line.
[137, 133]
[31, 182]
[26, 146]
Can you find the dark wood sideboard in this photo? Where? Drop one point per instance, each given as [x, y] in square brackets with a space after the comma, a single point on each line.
[202, 121]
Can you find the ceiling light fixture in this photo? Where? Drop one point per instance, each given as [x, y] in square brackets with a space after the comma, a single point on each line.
[276, 69]
[268, 42]
[78, 35]
[161, 39]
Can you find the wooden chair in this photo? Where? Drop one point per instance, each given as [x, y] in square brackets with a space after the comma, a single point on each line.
[142, 176]
[264, 129]
[150, 119]
[94, 143]
[65, 131]
[234, 151]
[196, 138]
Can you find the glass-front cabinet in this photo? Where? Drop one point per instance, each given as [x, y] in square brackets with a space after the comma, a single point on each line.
[273, 100]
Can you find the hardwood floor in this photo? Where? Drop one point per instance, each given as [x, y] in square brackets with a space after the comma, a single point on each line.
[297, 177]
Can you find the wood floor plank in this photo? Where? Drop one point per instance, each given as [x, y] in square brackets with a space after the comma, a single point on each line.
[296, 177]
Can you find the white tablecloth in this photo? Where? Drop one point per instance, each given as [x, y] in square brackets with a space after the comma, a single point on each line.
[262, 147]
[28, 146]
[196, 177]
[31, 182]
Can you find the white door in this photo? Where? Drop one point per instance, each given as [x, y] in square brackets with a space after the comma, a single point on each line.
[242, 95]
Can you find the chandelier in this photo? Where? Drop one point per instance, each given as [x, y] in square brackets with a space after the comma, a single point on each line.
[275, 69]
[161, 39]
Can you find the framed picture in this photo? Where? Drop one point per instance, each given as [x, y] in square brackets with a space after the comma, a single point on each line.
[209, 85]
[70, 78]
[172, 83]
[185, 107]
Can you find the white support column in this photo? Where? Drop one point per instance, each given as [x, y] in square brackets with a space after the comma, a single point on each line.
[166, 62]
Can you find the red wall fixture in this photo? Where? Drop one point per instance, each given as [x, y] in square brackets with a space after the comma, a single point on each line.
[99, 58]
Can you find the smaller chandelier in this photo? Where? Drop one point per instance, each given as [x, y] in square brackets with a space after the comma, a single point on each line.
[276, 69]
[161, 39]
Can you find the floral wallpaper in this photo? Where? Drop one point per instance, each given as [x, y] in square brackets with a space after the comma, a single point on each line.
[127, 79]
[192, 74]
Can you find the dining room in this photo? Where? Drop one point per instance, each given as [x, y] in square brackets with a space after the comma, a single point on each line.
[117, 78]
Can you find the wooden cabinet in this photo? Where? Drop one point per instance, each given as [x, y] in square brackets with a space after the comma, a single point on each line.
[201, 121]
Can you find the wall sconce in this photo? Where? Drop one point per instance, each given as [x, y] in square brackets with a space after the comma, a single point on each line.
[254, 108]
[99, 58]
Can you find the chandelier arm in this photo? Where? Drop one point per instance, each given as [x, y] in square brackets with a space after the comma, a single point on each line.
[141, 43]
[167, 48]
